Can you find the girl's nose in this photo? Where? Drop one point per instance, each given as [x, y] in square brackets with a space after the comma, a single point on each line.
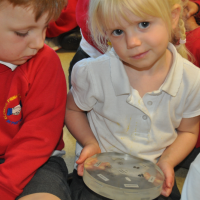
[132, 41]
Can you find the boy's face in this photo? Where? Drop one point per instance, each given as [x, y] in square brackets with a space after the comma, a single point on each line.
[21, 37]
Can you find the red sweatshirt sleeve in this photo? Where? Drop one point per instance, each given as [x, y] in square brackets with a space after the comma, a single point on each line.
[66, 21]
[43, 108]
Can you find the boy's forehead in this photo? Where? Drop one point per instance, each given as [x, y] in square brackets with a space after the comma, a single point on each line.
[20, 18]
[6, 4]
[23, 10]
[52, 8]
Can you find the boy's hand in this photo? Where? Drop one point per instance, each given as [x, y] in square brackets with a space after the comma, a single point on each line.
[192, 9]
[88, 151]
[168, 171]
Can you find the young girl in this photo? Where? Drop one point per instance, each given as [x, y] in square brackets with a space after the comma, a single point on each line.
[142, 96]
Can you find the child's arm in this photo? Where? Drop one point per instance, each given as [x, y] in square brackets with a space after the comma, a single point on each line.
[77, 123]
[178, 150]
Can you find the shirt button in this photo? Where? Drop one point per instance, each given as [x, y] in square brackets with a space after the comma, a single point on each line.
[144, 117]
[149, 103]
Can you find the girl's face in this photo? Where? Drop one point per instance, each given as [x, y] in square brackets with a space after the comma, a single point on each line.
[141, 44]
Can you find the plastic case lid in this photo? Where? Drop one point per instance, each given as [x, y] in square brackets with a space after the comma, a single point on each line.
[121, 176]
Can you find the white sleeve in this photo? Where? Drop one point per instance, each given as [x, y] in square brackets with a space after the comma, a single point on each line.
[83, 85]
[190, 189]
[192, 104]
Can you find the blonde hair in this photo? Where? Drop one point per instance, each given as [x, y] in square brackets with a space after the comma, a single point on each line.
[52, 7]
[102, 10]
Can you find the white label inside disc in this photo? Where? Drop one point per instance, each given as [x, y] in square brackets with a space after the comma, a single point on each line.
[131, 185]
[103, 177]
[152, 179]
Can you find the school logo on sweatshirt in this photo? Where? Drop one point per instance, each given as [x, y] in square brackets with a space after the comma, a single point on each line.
[12, 110]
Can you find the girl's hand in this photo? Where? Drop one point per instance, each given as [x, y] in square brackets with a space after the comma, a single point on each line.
[88, 151]
[168, 171]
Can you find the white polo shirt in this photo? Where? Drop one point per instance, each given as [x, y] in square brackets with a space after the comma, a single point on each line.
[124, 122]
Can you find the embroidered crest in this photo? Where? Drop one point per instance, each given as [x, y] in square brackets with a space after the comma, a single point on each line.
[12, 110]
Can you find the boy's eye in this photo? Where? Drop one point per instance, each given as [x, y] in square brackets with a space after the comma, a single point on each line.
[117, 32]
[143, 25]
[21, 34]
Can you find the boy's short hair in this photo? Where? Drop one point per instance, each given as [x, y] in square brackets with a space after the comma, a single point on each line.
[52, 7]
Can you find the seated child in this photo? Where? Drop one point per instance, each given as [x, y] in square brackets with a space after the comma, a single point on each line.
[33, 99]
[88, 48]
[142, 96]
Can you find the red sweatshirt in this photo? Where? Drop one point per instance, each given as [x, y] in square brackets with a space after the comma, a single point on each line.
[32, 105]
[66, 21]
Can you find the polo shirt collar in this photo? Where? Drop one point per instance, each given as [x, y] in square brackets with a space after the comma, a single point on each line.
[11, 66]
[173, 80]
[120, 79]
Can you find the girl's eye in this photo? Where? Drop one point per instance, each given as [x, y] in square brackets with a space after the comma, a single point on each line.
[117, 32]
[21, 34]
[143, 25]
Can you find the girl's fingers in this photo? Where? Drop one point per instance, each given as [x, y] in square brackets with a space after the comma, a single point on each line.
[80, 169]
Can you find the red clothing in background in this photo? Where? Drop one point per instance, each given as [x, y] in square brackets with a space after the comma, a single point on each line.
[193, 44]
[82, 20]
[66, 21]
[28, 137]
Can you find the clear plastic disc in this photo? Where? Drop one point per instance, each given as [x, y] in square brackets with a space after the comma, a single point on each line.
[121, 176]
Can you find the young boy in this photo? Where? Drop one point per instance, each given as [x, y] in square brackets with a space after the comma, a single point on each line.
[32, 104]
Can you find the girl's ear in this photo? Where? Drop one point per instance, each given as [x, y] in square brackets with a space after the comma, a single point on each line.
[176, 10]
